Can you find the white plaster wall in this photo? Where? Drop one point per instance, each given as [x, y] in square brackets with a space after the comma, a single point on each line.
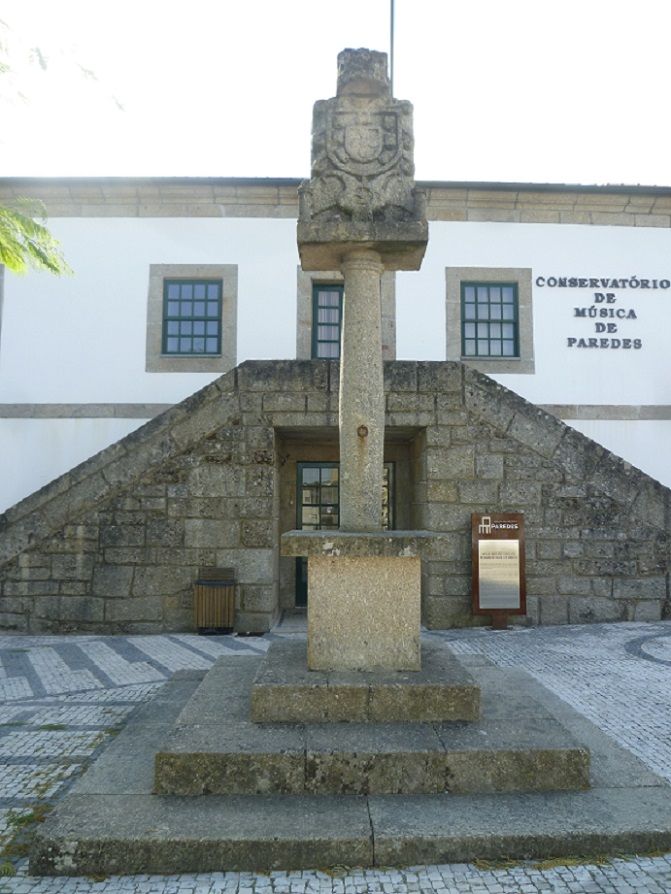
[81, 338]
[642, 443]
[563, 375]
[35, 451]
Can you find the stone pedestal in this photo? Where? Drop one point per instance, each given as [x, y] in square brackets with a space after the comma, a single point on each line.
[364, 613]
[364, 605]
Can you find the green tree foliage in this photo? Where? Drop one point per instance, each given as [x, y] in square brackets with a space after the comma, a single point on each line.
[25, 241]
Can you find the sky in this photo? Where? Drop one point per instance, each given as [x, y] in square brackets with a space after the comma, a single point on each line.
[503, 90]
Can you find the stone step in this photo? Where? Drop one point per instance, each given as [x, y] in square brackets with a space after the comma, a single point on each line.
[285, 691]
[238, 757]
[132, 834]
[111, 822]
[216, 750]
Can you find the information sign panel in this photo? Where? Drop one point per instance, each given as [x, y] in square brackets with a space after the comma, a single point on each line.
[498, 564]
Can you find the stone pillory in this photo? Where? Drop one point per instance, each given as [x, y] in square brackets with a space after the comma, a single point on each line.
[360, 213]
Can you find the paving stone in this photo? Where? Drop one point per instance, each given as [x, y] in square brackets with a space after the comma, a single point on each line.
[614, 675]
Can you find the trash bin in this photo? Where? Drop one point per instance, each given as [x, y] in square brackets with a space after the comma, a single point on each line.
[214, 601]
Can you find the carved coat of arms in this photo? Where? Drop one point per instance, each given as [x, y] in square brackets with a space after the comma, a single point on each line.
[363, 143]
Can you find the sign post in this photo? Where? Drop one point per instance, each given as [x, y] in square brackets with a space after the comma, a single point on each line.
[499, 586]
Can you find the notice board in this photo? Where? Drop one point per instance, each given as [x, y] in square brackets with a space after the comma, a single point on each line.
[499, 586]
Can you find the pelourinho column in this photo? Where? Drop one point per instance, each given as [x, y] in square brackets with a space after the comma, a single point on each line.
[361, 415]
[360, 213]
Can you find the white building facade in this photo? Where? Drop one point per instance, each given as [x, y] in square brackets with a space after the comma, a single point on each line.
[83, 358]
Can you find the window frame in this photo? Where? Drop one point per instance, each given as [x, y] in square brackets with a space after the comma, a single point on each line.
[158, 359]
[489, 321]
[524, 363]
[179, 318]
[317, 288]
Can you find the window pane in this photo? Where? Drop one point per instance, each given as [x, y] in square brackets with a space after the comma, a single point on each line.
[213, 291]
[173, 327]
[507, 294]
[329, 299]
[327, 517]
[199, 291]
[469, 347]
[185, 345]
[211, 346]
[311, 476]
[213, 327]
[483, 295]
[199, 327]
[328, 350]
[495, 330]
[508, 312]
[483, 311]
[495, 293]
[329, 476]
[173, 308]
[187, 291]
[469, 293]
[483, 330]
[212, 309]
[495, 349]
[185, 328]
[495, 312]
[508, 349]
[185, 308]
[508, 330]
[172, 345]
[328, 333]
[199, 308]
[328, 315]
[310, 515]
[469, 311]
[483, 347]
[173, 291]
[469, 330]
[199, 346]
[309, 496]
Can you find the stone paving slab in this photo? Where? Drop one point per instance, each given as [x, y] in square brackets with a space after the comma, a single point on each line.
[285, 691]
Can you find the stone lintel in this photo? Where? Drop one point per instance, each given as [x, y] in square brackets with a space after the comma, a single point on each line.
[357, 544]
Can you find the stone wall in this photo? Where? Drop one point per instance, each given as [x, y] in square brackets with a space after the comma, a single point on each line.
[116, 544]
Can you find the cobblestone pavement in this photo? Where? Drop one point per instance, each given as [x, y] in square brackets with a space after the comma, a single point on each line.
[63, 697]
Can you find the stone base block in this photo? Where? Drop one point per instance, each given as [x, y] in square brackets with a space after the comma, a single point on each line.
[364, 613]
[111, 823]
[214, 749]
[285, 691]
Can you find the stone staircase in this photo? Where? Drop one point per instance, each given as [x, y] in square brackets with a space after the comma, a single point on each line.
[485, 763]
